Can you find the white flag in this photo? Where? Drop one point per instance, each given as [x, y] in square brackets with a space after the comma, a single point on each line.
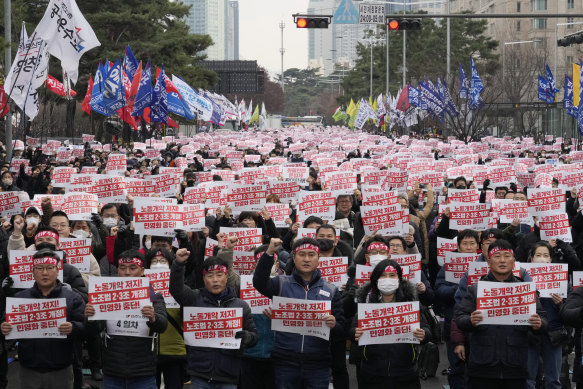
[249, 112]
[262, 115]
[67, 33]
[197, 103]
[28, 72]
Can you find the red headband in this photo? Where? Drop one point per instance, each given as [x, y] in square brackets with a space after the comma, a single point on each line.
[490, 235]
[377, 246]
[497, 249]
[44, 261]
[46, 233]
[307, 246]
[259, 254]
[159, 253]
[130, 260]
[215, 267]
[390, 269]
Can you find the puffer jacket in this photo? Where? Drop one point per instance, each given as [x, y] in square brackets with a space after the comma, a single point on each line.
[293, 348]
[264, 346]
[390, 360]
[212, 364]
[132, 356]
[496, 351]
[45, 355]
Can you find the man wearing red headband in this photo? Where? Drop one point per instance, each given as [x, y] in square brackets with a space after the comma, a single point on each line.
[300, 361]
[48, 363]
[498, 354]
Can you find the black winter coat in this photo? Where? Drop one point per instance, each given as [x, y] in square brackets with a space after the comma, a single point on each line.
[213, 364]
[45, 355]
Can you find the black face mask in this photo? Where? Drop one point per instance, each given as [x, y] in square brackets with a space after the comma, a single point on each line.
[189, 183]
[46, 245]
[325, 244]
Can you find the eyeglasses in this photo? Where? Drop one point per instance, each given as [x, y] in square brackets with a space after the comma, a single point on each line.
[396, 246]
[56, 226]
[159, 260]
[42, 269]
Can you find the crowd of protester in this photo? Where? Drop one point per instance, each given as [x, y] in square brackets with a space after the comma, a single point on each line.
[534, 354]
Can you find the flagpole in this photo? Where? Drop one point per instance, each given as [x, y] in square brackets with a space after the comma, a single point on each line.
[8, 65]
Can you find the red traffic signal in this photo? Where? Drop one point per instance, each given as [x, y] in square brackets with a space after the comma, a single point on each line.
[312, 21]
[404, 24]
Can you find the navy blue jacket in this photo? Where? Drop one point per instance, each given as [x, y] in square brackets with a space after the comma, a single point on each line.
[45, 355]
[292, 348]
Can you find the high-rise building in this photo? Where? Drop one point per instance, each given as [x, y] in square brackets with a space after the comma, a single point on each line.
[540, 32]
[220, 20]
[233, 31]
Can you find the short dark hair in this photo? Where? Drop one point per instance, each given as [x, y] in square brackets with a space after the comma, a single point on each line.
[326, 226]
[212, 261]
[160, 239]
[458, 179]
[468, 233]
[302, 241]
[375, 238]
[249, 215]
[109, 206]
[59, 213]
[400, 238]
[504, 188]
[313, 219]
[491, 233]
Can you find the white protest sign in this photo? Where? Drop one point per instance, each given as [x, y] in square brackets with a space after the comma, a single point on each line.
[136, 328]
[555, 227]
[363, 273]
[116, 164]
[334, 269]
[385, 219]
[212, 327]
[321, 204]
[152, 217]
[304, 317]
[543, 201]
[468, 215]
[456, 264]
[577, 279]
[514, 210]
[160, 281]
[20, 268]
[79, 206]
[209, 247]
[278, 213]
[384, 323]
[411, 261]
[284, 190]
[444, 245]
[35, 318]
[248, 238]
[78, 252]
[242, 197]
[550, 278]
[478, 269]
[10, 202]
[243, 261]
[506, 303]
[257, 302]
[340, 182]
[62, 176]
[119, 298]
[463, 195]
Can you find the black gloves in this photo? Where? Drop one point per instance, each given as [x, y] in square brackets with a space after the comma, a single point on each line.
[245, 336]
[96, 219]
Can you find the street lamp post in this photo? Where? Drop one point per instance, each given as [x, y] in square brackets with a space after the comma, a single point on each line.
[504, 54]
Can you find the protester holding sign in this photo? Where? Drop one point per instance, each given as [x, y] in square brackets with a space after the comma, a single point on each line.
[394, 364]
[48, 363]
[129, 356]
[300, 360]
[498, 355]
[205, 364]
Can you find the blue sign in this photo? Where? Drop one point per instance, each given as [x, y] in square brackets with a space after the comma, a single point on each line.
[346, 13]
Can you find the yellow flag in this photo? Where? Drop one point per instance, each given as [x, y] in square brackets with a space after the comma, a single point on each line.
[374, 105]
[576, 84]
[353, 117]
[351, 110]
[255, 116]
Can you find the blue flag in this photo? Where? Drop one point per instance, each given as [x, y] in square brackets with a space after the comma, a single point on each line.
[130, 63]
[570, 109]
[476, 87]
[543, 88]
[97, 104]
[144, 95]
[217, 110]
[553, 90]
[433, 103]
[448, 102]
[114, 96]
[159, 107]
[177, 106]
[413, 96]
[464, 84]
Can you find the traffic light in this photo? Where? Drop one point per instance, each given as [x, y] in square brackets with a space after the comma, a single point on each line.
[404, 24]
[312, 21]
[573, 39]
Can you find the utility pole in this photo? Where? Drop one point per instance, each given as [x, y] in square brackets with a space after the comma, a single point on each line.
[282, 51]
[7, 66]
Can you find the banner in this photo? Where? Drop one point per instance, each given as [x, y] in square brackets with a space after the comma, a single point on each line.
[257, 302]
[20, 268]
[160, 281]
[119, 298]
[468, 215]
[249, 238]
[504, 303]
[549, 277]
[241, 197]
[299, 316]
[334, 270]
[78, 252]
[456, 264]
[384, 323]
[212, 327]
[321, 204]
[35, 318]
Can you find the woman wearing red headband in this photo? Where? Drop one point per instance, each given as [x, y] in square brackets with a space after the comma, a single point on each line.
[388, 365]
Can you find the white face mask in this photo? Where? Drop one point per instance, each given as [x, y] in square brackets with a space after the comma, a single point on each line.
[387, 286]
[163, 266]
[376, 258]
[110, 222]
[32, 221]
[82, 234]
[148, 244]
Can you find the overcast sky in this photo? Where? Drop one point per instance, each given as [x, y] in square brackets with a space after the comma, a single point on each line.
[260, 35]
